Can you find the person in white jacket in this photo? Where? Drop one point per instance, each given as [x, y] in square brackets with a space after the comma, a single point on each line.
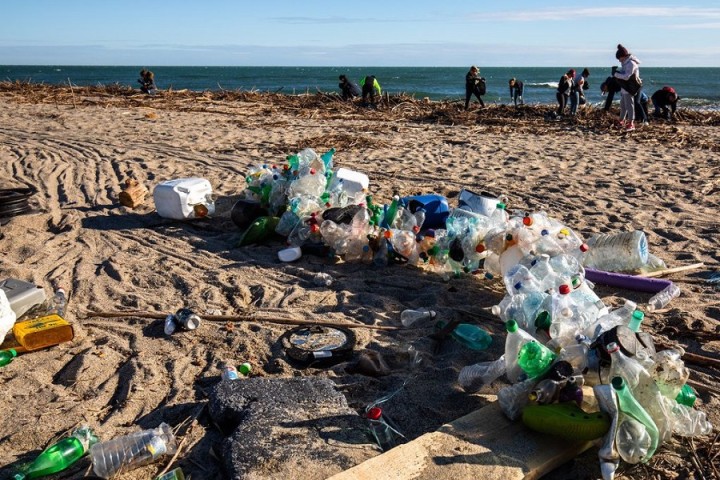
[629, 69]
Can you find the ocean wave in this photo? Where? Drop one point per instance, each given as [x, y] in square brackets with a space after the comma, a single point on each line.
[542, 84]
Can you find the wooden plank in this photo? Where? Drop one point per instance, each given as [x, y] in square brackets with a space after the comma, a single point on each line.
[685, 268]
[483, 444]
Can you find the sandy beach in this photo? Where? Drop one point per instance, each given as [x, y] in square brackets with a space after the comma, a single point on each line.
[77, 146]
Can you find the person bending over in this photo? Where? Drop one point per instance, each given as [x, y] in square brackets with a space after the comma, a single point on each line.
[349, 90]
[147, 82]
[665, 102]
[577, 92]
[641, 107]
[474, 85]
[516, 91]
[563, 91]
[609, 87]
[370, 89]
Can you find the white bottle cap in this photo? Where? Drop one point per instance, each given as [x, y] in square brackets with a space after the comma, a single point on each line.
[290, 254]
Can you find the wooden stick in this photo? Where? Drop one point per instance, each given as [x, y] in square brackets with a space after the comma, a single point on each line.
[244, 318]
[703, 387]
[694, 357]
[660, 273]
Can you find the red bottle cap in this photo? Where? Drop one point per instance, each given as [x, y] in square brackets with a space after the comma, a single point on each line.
[527, 221]
[480, 248]
[374, 413]
[565, 289]
[584, 247]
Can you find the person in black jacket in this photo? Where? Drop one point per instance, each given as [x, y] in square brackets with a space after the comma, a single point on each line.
[147, 82]
[665, 102]
[474, 85]
[565, 85]
[609, 87]
[516, 91]
[349, 89]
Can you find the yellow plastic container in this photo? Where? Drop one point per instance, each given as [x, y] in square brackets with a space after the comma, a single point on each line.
[42, 332]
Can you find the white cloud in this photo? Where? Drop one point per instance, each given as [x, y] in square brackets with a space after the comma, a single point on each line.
[604, 12]
[696, 26]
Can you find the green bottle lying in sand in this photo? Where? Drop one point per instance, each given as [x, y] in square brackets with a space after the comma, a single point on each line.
[60, 455]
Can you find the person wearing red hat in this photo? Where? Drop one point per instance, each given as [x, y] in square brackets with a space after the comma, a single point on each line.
[565, 86]
[629, 78]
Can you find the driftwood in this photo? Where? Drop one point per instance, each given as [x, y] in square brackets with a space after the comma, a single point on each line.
[526, 119]
[133, 193]
[660, 273]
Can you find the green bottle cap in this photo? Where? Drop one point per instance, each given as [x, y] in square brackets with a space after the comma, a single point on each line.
[618, 383]
[501, 206]
[245, 368]
[13, 352]
[511, 326]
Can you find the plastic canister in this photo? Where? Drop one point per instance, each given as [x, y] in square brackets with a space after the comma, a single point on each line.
[184, 198]
[22, 295]
[435, 206]
[7, 316]
[352, 182]
[42, 332]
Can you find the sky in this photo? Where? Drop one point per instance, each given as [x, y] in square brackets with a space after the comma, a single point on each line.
[521, 33]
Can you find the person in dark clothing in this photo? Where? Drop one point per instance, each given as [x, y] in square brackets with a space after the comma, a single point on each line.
[665, 102]
[474, 85]
[516, 91]
[349, 89]
[641, 107]
[147, 82]
[563, 91]
[609, 87]
[370, 88]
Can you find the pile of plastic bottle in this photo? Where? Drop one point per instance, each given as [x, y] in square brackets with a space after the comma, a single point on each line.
[560, 334]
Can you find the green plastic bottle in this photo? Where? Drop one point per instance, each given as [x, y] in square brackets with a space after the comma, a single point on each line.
[630, 407]
[686, 396]
[391, 212]
[472, 336]
[535, 359]
[7, 356]
[59, 456]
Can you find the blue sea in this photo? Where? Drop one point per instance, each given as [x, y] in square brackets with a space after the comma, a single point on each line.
[699, 88]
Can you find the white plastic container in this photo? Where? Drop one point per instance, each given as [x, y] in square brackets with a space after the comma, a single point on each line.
[7, 316]
[353, 182]
[184, 198]
[22, 295]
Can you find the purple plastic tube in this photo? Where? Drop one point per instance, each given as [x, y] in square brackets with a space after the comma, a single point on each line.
[630, 282]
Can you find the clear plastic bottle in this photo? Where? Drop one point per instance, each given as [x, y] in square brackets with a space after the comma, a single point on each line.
[322, 279]
[545, 392]
[473, 377]
[386, 435]
[619, 316]
[132, 451]
[513, 398]
[58, 303]
[410, 316]
[662, 298]
[617, 252]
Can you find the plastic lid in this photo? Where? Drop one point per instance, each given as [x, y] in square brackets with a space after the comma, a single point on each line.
[527, 221]
[13, 352]
[501, 206]
[584, 247]
[618, 383]
[290, 254]
[374, 413]
[245, 368]
[511, 326]
[638, 315]
[612, 347]
[564, 289]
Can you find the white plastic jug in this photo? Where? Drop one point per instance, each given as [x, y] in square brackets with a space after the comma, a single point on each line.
[7, 316]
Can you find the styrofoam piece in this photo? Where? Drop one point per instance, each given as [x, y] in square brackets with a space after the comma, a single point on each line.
[177, 198]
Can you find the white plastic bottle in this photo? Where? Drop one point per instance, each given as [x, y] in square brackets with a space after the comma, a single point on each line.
[132, 451]
[516, 338]
[58, 303]
[409, 316]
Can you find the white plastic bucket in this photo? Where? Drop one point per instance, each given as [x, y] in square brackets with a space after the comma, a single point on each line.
[7, 316]
[184, 198]
[352, 182]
